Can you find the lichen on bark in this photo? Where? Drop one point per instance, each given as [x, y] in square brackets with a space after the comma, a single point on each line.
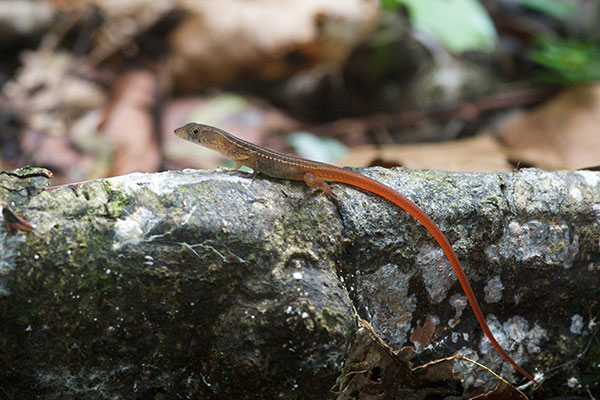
[211, 284]
[126, 287]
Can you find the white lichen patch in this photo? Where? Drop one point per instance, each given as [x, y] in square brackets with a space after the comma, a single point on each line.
[577, 324]
[576, 194]
[383, 294]
[456, 336]
[438, 275]
[591, 178]
[596, 208]
[535, 337]
[550, 244]
[485, 347]
[133, 229]
[514, 336]
[493, 290]
[459, 303]
[573, 383]
[469, 372]
[85, 383]
[165, 182]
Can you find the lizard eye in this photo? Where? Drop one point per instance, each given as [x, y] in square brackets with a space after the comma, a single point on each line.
[195, 131]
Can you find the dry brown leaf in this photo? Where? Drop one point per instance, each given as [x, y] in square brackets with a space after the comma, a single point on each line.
[561, 134]
[436, 370]
[14, 221]
[20, 19]
[478, 154]
[56, 153]
[129, 124]
[421, 336]
[501, 392]
[48, 94]
[50, 99]
[372, 371]
[228, 40]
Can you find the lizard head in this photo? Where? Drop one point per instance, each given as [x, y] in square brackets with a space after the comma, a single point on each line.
[204, 135]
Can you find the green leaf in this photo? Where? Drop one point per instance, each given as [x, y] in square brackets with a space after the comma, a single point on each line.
[390, 5]
[557, 8]
[460, 24]
[315, 148]
[567, 61]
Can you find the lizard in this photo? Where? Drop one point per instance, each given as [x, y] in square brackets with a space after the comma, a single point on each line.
[316, 174]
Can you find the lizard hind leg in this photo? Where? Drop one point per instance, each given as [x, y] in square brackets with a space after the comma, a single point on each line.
[311, 181]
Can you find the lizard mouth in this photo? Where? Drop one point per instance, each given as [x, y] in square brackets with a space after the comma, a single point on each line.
[181, 132]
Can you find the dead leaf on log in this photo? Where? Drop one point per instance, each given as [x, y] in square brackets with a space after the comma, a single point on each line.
[15, 221]
[436, 370]
[374, 371]
[421, 336]
[444, 369]
[501, 392]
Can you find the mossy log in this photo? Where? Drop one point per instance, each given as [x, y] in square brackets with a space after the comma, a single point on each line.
[209, 284]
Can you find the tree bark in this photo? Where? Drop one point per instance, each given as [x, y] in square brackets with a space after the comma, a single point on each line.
[193, 284]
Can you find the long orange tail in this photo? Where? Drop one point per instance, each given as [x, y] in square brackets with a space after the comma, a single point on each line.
[382, 190]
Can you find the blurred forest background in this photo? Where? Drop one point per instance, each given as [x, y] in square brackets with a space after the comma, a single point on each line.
[94, 88]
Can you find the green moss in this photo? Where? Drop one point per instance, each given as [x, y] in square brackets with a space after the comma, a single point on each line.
[331, 320]
[117, 200]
